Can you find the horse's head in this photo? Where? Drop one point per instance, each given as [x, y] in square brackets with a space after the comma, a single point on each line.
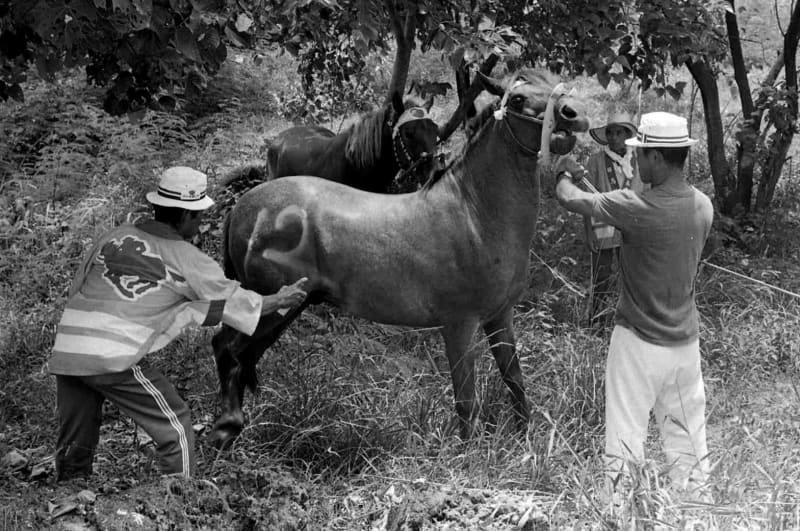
[414, 136]
[525, 97]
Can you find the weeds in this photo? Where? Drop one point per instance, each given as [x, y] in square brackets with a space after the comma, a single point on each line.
[353, 424]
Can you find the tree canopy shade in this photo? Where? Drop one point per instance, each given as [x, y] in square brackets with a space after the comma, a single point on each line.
[145, 50]
[149, 52]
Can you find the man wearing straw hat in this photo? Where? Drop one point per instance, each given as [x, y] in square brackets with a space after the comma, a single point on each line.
[654, 355]
[135, 292]
[611, 168]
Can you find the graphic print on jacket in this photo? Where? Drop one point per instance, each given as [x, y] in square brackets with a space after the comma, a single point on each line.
[132, 269]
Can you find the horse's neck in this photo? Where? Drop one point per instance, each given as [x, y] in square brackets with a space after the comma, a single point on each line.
[497, 175]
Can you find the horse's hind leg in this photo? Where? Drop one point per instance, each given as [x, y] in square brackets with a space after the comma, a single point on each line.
[500, 333]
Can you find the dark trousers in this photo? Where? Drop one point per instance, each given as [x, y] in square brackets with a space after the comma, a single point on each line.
[603, 287]
[143, 394]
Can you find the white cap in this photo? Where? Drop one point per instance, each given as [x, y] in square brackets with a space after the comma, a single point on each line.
[662, 129]
[181, 187]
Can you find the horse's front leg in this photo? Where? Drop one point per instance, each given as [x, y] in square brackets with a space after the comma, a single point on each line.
[237, 357]
[457, 339]
[500, 333]
[227, 344]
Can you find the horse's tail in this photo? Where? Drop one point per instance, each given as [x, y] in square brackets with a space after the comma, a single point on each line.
[272, 161]
[243, 178]
[227, 261]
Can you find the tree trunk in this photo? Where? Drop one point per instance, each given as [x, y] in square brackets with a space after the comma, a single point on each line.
[404, 27]
[471, 93]
[782, 138]
[724, 184]
[746, 139]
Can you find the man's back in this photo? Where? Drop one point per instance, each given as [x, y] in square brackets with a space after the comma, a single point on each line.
[664, 230]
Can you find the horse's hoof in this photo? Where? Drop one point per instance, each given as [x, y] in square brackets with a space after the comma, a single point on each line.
[222, 437]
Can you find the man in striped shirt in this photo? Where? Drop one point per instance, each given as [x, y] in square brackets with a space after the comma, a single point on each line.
[137, 290]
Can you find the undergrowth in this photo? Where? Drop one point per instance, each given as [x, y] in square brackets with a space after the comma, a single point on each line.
[352, 426]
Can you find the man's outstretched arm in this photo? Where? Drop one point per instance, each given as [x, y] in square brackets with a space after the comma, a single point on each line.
[568, 172]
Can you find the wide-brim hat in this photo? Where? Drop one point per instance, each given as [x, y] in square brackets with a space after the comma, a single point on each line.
[621, 119]
[662, 130]
[181, 187]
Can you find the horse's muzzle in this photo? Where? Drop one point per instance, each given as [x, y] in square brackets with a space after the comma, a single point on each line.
[562, 142]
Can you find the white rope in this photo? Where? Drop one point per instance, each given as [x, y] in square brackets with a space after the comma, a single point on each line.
[751, 279]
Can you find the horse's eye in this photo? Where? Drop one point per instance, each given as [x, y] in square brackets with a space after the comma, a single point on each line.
[517, 100]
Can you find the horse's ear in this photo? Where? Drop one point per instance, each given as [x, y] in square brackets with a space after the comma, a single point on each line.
[492, 85]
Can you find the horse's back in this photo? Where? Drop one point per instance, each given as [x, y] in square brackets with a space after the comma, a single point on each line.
[300, 150]
[401, 259]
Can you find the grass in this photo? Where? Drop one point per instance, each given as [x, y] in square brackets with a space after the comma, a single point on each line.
[352, 427]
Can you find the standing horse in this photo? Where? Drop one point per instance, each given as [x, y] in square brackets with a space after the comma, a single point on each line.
[369, 154]
[452, 255]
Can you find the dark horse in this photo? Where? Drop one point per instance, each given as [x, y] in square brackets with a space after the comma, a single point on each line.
[388, 150]
[452, 255]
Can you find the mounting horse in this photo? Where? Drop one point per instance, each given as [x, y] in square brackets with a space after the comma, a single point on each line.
[452, 255]
[388, 150]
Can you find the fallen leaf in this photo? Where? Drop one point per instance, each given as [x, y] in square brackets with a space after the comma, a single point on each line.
[14, 460]
[38, 472]
[86, 496]
[61, 508]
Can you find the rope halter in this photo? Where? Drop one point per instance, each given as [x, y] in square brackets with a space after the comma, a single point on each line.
[547, 123]
[401, 155]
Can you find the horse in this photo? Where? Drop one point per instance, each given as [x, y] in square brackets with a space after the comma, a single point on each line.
[388, 150]
[452, 255]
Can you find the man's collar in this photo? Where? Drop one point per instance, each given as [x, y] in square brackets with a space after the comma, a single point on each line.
[158, 228]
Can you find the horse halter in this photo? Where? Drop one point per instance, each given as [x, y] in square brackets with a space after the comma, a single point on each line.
[401, 155]
[546, 123]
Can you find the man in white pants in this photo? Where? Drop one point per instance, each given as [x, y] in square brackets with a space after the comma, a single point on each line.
[654, 356]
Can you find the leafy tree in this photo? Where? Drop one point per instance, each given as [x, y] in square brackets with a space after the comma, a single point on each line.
[146, 51]
[778, 103]
[332, 40]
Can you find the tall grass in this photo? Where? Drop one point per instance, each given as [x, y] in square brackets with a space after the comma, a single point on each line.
[353, 424]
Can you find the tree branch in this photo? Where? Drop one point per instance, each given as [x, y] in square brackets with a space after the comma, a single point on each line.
[472, 92]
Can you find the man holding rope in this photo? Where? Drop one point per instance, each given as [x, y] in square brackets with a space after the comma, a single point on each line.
[654, 355]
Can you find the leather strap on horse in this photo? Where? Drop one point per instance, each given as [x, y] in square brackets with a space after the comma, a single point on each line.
[547, 123]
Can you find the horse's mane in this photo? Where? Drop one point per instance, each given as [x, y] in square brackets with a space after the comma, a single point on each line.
[365, 140]
[474, 129]
[363, 147]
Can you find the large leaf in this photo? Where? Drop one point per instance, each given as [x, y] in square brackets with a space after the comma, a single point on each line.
[186, 43]
[243, 23]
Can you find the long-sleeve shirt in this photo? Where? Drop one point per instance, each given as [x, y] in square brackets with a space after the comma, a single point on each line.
[137, 290]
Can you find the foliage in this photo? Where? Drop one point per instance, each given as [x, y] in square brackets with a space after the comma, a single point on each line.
[148, 52]
[350, 428]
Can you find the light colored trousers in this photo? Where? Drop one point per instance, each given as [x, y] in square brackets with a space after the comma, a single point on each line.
[641, 377]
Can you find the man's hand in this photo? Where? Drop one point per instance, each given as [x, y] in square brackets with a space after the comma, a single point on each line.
[568, 192]
[286, 298]
[571, 166]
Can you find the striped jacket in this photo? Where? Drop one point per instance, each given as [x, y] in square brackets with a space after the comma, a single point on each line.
[140, 286]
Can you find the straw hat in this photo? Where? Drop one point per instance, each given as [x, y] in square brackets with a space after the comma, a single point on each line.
[662, 129]
[621, 119]
[181, 187]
